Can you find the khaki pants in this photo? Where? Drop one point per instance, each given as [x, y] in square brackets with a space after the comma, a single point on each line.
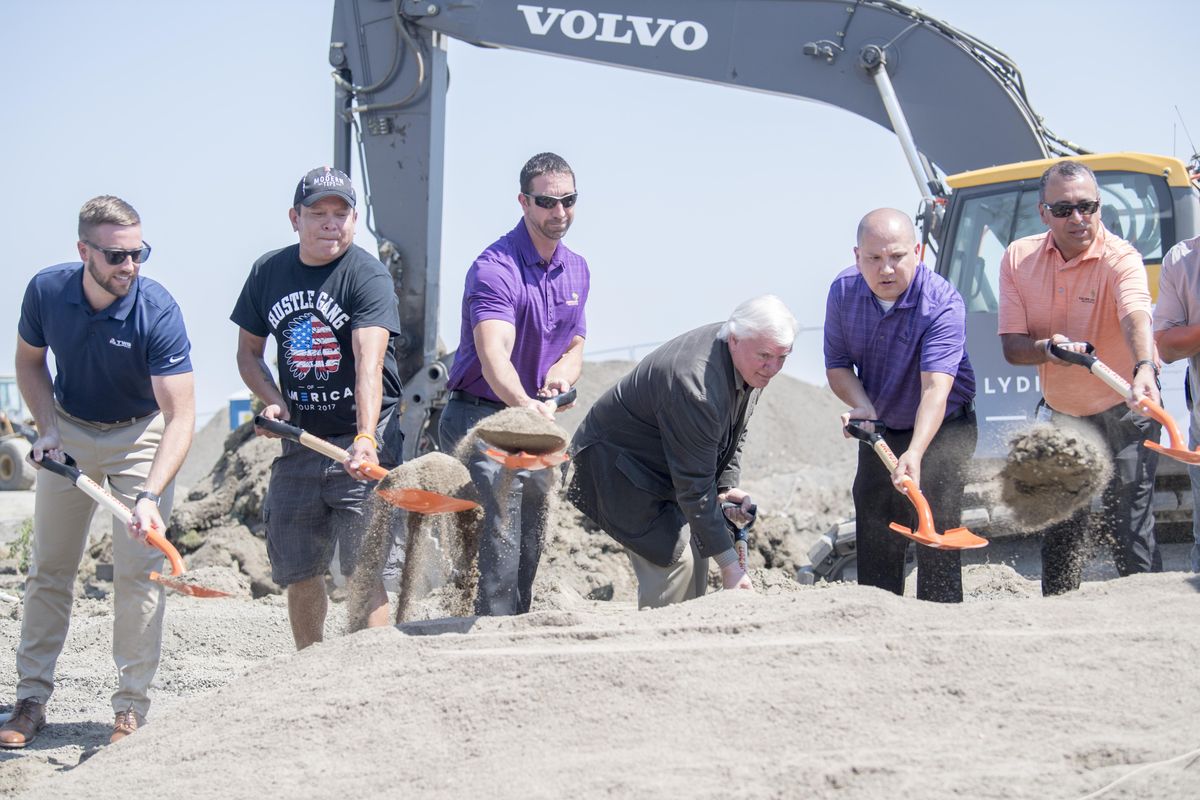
[686, 579]
[122, 454]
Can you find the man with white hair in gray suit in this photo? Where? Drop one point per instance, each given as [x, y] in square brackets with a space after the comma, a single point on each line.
[656, 460]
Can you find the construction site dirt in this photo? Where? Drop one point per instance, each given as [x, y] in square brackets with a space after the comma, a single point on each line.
[826, 691]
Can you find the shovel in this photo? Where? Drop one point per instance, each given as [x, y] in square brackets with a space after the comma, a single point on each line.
[1177, 449]
[121, 512]
[418, 500]
[524, 460]
[926, 533]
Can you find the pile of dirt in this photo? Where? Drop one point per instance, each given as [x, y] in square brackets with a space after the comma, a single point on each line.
[222, 579]
[1052, 471]
[521, 430]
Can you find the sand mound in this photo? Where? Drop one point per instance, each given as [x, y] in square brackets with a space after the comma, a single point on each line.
[837, 692]
[1052, 471]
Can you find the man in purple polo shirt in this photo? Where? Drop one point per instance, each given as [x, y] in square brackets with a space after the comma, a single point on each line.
[895, 351]
[521, 343]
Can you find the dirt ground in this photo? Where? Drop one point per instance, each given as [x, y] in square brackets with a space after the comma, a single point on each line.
[830, 691]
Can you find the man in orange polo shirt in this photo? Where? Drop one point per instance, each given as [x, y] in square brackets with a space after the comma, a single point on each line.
[1079, 283]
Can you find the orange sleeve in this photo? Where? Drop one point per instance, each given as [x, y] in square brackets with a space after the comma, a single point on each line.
[1130, 288]
[1012, 317]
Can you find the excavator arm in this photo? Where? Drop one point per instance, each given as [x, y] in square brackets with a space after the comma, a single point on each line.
[954, 102]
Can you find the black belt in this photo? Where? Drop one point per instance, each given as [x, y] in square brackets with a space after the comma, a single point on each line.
[467, 397]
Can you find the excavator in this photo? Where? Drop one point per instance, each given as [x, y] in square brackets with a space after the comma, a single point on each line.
[974, 145]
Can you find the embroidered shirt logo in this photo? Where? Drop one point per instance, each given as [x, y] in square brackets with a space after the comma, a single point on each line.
[574, 301]
[176, 359]
[120, 343]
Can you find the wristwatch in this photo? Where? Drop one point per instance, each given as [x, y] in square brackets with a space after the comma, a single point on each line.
[151, 496]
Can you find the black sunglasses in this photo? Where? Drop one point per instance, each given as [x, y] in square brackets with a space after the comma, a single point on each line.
[116, 258]
[1062, 210]
[550, 201]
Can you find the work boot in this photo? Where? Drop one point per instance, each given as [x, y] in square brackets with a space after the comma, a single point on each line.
[28, 717]
[127, 722]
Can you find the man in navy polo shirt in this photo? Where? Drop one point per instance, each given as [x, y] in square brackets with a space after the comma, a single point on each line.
[521, 342]
[332, 310]
[895, 351]
[121, 403]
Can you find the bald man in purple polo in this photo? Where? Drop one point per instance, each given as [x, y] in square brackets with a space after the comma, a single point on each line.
[896, 351]
[521, 343]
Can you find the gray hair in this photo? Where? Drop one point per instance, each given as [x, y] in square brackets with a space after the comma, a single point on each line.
[1067, 170]
[543, 164]
[765, 315]
[105, 210]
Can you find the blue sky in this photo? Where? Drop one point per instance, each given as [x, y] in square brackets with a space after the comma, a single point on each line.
[694, 197]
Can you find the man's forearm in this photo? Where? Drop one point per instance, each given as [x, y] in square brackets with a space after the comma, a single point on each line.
[1179, 342]
[172, 450]
[930, 412]
[848, 388]
[1021, 348]
[1138, 334]
[569, 367]
[368, 397]
[258, 379]
[36, 386]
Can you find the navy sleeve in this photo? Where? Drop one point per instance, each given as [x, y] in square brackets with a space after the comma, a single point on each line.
[168, 351]
[29, 327]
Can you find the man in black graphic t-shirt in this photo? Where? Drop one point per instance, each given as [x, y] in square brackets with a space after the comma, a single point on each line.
[333, 313]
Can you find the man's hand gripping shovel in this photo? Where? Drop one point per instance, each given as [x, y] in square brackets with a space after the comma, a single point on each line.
[98, 493]
[418, 500]
[523, 460]
[1177, 449]
[926, 533]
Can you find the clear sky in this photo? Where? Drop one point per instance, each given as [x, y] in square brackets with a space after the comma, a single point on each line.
[694, 197]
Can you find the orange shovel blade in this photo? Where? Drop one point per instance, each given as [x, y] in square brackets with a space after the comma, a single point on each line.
[186, 588]
[953, 539]
[424, 502]
[1179, 454]
[525, 460]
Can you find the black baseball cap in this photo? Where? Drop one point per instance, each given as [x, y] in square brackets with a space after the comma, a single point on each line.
[324, 182]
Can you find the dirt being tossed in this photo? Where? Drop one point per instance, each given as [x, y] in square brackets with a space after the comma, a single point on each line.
[1052, 471]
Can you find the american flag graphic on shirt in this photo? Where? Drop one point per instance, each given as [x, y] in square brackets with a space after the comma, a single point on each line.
[310, 346]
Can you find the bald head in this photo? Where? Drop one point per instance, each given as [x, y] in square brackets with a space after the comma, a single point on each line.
[887, 252]
[889, 223]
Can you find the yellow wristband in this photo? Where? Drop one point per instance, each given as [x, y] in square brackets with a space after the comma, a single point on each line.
[369, 438]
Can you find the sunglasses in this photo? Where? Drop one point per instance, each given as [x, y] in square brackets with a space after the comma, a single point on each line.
[550, 201]
[1062, 210]
[116, 258]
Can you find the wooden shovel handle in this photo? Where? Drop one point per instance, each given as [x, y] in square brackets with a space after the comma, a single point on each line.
[300, 436]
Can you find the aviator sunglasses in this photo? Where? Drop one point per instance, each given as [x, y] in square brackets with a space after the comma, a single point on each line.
[116, 258]
[1062, 210]
[550, 201]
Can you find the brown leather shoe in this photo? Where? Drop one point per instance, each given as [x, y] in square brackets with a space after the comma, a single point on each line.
[28, 717]
[127, 722]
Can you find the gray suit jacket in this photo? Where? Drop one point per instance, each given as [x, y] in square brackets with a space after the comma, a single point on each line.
[656, 448]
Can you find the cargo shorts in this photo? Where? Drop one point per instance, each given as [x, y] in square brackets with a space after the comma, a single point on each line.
[312, 504]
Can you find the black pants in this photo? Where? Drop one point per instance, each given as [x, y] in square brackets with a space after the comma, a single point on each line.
[881, 551]
[1127, 516]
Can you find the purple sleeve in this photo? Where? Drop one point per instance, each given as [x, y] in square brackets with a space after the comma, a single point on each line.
[945, 339]
[836, 356]
[490, 293]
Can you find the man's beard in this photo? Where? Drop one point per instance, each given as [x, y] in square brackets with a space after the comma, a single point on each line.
[109, 285]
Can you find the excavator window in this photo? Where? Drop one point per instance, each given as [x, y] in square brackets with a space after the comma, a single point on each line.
[1134, 206]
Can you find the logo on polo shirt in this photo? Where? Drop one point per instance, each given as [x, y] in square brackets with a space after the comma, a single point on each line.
[115, 342]
[574, 301]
